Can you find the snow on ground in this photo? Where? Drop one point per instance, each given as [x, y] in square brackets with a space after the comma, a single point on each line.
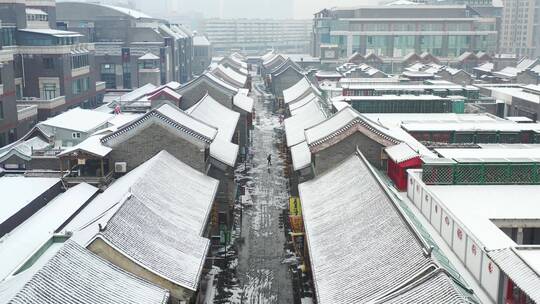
[262, 277]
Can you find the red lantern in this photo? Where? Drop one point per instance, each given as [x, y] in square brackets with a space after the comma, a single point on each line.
[490, 267]
[447, 220]
[459, 234]
[473, 249]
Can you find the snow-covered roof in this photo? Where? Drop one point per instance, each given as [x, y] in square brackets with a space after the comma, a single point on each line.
[502, 126]
[35, 11]
[172, 117]
[91, 145]
[244, 102]
[231, 76]
[305, 117]
[301, 102]
[51, 32]
[507, 72]
[396, 119]
[401, 152]
[391, 86]
[220, 82]
[296, 91]
[20, 243]
[149, 56]
[353, 227]
[76, 275]
[23, 148]
[224, 151]
[436, 287]
[17, 192]
[167, 91]
[268, 56]
[211, 112]
[200, 40]
[503, 154]
[476, 206]
[137, 93]
[339, 105]
[341, 121]
[144, 232]
[160, 198]
[517, 92]
[78, 119]
[127, 11]
[522, 270]
[301, 156]
[389, 98]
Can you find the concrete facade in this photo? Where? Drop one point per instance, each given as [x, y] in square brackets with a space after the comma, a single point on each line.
[395, 31]
[122, 36]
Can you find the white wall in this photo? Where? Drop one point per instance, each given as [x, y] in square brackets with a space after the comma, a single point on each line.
[479, 265]
[474, 258]
[459, 243]
[436, 217]
[490, 277]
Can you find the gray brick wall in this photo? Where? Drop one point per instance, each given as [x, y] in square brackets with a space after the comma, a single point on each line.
[284, 81]
[151, 141]
[332, 156]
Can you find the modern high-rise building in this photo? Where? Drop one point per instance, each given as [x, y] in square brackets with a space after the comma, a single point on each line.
[445, 31]
[132, 48]
[520, 32]
[255, 36]
[44, 70]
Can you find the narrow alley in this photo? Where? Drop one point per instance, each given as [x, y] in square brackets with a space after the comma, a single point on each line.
[263, 276]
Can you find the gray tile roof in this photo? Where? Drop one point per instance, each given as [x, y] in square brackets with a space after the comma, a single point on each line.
[155, 240]
[360, 245]
[75, 275]
[436, 287]
[518, 270]
[170, 116]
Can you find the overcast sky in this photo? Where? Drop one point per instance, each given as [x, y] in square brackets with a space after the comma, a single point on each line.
[299, 9]
[306, 8]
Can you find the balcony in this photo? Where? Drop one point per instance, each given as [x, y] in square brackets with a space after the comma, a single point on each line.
[26, 111]
[43, 104]
[100, 86]
[80, 71]
[92, 180]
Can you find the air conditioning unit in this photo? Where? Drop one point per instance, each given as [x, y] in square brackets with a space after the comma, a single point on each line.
[120, 167]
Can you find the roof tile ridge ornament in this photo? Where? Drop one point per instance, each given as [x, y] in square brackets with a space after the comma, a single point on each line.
[359, 119]
[156, 113]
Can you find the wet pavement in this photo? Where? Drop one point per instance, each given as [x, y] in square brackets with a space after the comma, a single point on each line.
[256, 266]
[263, 276]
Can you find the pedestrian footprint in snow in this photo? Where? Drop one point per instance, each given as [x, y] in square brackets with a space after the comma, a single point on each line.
[269, 158]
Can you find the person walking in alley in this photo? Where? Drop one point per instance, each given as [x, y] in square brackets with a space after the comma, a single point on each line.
[269, 158]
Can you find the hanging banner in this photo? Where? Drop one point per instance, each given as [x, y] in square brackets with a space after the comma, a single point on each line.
[297, 224]
[295, 208]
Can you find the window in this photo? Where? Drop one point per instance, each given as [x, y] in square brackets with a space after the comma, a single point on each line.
[49, 91]
[12, 135]
[1, 110]
[76, 135]
[80, 85]
[48, 63]
[108, 68]
[79, 61]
